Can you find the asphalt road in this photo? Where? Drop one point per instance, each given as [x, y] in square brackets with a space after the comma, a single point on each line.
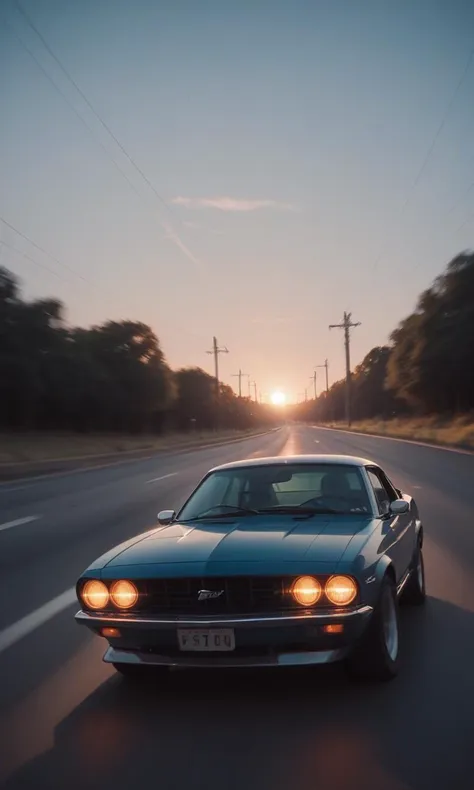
[68, 721]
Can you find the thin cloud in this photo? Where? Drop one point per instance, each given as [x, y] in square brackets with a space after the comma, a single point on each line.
[231, 204]
[171, 235]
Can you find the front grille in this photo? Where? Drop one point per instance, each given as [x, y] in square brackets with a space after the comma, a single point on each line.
[240, 595]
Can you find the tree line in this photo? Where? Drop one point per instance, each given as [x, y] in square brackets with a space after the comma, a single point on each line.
[428, 365]
[110, 377]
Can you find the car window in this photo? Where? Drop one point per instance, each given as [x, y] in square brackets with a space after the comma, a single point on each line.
[313, 483]
[233, 492]
[213, 491]
[384, 493]
[337, 488]
[388, 485]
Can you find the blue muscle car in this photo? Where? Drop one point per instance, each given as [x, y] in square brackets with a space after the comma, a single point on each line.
[270, 562]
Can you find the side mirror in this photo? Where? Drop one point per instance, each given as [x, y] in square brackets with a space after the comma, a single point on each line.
[399, 506]
[166, 517]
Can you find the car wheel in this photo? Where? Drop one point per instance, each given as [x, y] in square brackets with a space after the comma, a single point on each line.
[138, 672]
[377, 655]
[414, 593]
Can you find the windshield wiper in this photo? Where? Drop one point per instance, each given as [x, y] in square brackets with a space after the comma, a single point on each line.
[298, 510]
[231, 511]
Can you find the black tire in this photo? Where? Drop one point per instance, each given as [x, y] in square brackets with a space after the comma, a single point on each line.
[377, 655]
[414, 593]
[138, 672]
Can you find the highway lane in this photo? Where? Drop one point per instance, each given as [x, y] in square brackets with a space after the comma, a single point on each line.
[79, 515]
[69, 721]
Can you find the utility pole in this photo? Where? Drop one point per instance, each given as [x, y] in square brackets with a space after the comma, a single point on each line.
[216, 350]
[239, 376]
[346, 325]
[326, 365]
[313, 379]
[305, 394]
[254, 385]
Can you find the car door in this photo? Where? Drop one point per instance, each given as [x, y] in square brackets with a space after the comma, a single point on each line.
[399, 531]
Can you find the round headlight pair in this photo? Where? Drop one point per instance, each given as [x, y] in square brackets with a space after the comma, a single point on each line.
[96, 595]
[339, 590]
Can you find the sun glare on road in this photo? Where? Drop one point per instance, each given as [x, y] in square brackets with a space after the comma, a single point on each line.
[278, 398]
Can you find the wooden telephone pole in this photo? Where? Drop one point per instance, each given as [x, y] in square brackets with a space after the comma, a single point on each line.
[347, 325]
[215, 352]
[239, 376]
[326, 365]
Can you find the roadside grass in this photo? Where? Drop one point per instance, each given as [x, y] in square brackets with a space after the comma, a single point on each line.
[37, 447]
[455, 432]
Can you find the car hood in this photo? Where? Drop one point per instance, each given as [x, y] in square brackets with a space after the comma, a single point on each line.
[271, 540]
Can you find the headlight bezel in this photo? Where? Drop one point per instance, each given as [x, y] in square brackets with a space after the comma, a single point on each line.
[112, 593]
[354, 590]
[325, 600]
[308, 580]
[107, 605]
[83, 595]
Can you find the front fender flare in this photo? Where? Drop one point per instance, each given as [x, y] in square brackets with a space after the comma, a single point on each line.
[373, 582]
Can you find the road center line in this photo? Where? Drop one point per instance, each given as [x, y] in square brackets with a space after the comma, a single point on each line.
[27, 624]
[163, 477]
[18, 522]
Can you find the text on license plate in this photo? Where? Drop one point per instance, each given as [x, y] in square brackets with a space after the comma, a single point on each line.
[202, 639]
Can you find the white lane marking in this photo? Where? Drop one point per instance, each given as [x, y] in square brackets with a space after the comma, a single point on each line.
[163, 477]
[316, 441]
[17, 488]
[396, 439]
[31, 621]
[18, 522]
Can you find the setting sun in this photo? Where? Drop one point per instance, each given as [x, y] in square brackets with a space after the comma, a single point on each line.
[278, 398]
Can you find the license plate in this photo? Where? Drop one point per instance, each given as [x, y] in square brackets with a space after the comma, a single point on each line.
[206, 639]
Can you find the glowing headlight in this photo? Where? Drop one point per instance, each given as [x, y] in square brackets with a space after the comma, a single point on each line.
[124, 594]
[340, 590]
[306, 590]
[95, 594]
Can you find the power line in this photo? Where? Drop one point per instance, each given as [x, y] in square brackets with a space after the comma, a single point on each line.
[173, 235]
[30, 22]
[468, 219]
[41, 249]
[435, 139]
[75, 111]
[441, 125]
[29, 258]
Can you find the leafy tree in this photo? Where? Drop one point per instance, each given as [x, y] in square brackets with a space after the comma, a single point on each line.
[432, 363]
[370, 397]
[195, 400]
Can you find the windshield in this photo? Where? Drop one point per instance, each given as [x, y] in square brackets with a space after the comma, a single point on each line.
[287, 488]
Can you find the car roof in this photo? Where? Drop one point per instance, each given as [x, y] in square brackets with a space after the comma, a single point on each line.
[311, 460]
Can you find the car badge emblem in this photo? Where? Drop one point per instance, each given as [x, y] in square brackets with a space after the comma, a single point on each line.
[205, 595]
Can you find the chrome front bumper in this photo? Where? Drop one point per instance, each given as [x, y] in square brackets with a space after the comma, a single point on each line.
[199, 660]
[275, 629]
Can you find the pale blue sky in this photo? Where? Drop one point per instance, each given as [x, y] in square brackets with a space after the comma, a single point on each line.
[323, 111]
